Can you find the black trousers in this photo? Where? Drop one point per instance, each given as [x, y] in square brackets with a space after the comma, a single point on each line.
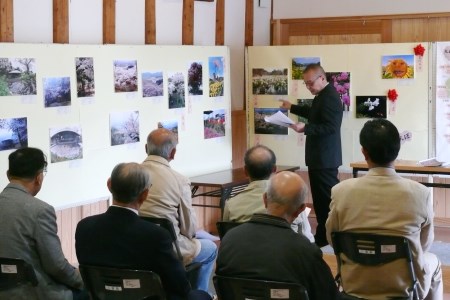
[321, 181]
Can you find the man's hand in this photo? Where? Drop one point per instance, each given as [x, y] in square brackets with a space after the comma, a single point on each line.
[299, 127]
[285, 104]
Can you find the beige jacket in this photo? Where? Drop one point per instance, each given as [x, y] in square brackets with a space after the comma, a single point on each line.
[382, 202]
[170, 197]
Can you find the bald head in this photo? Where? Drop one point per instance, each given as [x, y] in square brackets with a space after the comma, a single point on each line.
[161, 142]
[128, 182]
[260, 162]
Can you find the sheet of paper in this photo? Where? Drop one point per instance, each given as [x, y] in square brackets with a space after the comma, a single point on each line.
[279, 118]
[431, 162]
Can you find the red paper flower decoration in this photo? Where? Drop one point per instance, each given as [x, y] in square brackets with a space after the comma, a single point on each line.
[419, 50]
[392, 95]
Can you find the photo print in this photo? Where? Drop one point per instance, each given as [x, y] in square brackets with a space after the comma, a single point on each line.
[17, 76]
[216, 75]
[270, 81]
[13, 133]
[176, 90]
[371, 107]
[57, 91]
[125, 76]
[65, 143]
[304, 103]
[152, 84]
[262, 127]
[84, 67]
[214, 123]
[171, 125]
[195, 78]
[299, 64]
[341, 82]
[397, 66]
[124, 127]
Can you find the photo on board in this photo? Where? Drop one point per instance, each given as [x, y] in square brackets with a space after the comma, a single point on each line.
[171, 125]
[270, 81]
[17, 76]
[66, 143]
[397, 66]
[84, 67]
[341, 82]
[304, 103]
[371, 107]
[214, 123]
[124, 127]
[195, 78]
[216, 75]
[176, 90]
[262, 127]
[152, 84]
[57, 91]
[125, 76]
[299, 64]
[13, 133]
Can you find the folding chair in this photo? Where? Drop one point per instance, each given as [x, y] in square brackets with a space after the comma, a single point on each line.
[373, 250]
[111, 283]
[223, 227]
[15, 272]
[232, 288]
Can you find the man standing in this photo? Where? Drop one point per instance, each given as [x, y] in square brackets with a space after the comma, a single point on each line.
[267, 248]
[382, 202]
[323, 154]
[29, 232]
[260, 163]
[170, 197]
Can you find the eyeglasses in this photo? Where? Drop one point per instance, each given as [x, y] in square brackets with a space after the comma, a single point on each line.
[44, 171]
[311, 82]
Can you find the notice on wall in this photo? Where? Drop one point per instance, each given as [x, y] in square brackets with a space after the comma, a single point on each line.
[443, 102]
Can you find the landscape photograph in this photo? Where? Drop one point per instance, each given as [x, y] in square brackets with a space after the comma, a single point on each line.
[17, 76]
[84, 67]
[57, 91]
[13, 133]
[262, 127]
[152, 84]
[66, 143]
[176, 90]
[195, 79]
[125, 76]
[299, 64]
[270, 81]
[216, 75]
[214, 123]
[124, 127]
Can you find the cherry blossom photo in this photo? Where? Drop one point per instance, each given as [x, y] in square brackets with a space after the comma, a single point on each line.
[125, 76]
[124, 127]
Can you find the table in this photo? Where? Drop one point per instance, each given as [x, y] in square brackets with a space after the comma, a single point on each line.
[408, 166]
[227, 184]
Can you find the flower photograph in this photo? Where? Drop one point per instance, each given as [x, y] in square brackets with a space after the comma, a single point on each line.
[125, 76]
[216, 71]
[262, 127]
[195, 78]
[299, 64]
[176, 90]
[65, 143]
[397, 66]
[124, 127]
[152, 84]
[13, 133]
[304, 103]
[84, 67]
[371, 107]
[171, 125]
[341, 82]
[214, 123]
[57, 91]
[270, 81]
[17, 76]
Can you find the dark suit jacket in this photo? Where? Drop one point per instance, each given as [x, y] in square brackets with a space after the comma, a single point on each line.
[323, 131]
[119, 238]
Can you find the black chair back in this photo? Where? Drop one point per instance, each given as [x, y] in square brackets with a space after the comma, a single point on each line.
[223, 227]
[116, 284]
[14, 272]
[232, 288]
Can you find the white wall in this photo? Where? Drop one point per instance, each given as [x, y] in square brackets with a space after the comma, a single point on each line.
[85, 22]
[33, 21]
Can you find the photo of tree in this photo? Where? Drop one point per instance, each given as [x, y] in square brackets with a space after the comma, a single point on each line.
[152, 84]
[397, 66]
[299, 64]
[270, 81]
[125, 76]
[13, 133]
[176, 90]
[171, 125]
[17, 76]
[65, 143]
[124, 127]
[57, 91]
[84, 67]
[341, 82]
[371, 107]
[195, 78]
[262, 127]
[214, 123]
[304, 103]
[216, 72]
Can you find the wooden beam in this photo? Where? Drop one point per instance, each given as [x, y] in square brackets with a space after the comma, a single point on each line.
[188, 22]
[249, 22]
[6, 21]
[386, 31]
[220, 22]
[333, 28]
[61, 21]
[150, 22]
[109, 21]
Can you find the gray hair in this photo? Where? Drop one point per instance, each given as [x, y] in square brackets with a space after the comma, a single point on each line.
[128, 181]
[291, 201]
[162, 149]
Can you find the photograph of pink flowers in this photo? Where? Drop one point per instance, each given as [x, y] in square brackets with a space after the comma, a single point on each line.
[171, 125]
[262, 127]
[341, 82]
[397, 66]
[371, 107]
[152, 84]
[84, 67]
[176, 90]
[270, 81]
[65, 143]
[214, 123]
[17, 76]
[125, 76]
[124, 127]
[304, 103]
[216, 71]
[195, 78]
[57, 91]
[299, 64]
[13, 133]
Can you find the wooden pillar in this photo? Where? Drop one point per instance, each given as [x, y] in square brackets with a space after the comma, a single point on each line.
[150, 22]
[386, 31]
[61, 21]
[6, 21]
[188, 22]
[220, 22]
[249, 22]
[109, 21]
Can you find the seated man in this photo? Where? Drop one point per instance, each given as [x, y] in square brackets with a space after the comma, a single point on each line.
[382, 202]
[170, 197]
[119, 238]
[260, 163]
[29, 232]
[267, 248]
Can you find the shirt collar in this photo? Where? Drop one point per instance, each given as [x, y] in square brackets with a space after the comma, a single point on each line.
[129, 208]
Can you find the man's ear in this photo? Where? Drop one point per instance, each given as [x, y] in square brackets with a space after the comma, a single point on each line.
[146, 149]
[143, 196]
[265, 199]
[108, 184]
[298, 211]
[365, 153]
[274, 169]
[172, 153]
